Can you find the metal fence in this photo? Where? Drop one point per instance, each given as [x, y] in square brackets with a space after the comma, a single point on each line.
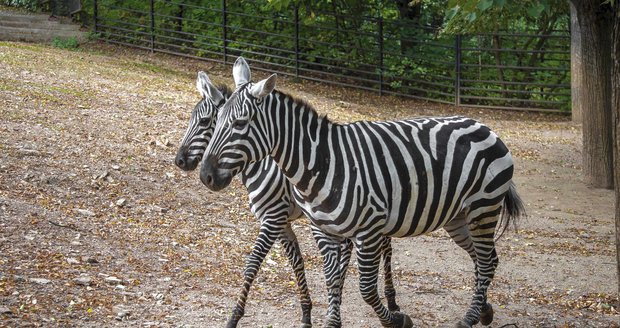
[389, 56]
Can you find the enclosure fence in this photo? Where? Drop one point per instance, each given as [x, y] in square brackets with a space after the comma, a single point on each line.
[521, 71]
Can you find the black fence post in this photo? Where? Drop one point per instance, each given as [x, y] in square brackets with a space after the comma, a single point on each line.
[457, 70]
[380, 36]
[152, 4]
[224, 35]
[296, 40]
[95, 16]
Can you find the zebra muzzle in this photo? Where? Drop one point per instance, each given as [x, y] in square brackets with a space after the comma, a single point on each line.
[213, 176]
[185, 161]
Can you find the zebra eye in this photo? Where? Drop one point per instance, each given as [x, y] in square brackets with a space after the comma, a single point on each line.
[204, 121]
[239, 123]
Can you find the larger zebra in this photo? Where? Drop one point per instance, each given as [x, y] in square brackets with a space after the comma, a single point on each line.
[369, 180]
[272, 203]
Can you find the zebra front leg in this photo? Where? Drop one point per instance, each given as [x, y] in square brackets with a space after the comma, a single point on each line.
[289, 241]
[368, 258]
[262, 245]
[390, 292]
[330, 249]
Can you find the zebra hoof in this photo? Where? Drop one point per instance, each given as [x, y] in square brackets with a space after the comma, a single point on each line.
[332, 325]
[462, 324]
[486, 314]
[394, 308]
[306, 325]
[231, 324]
[402, 320]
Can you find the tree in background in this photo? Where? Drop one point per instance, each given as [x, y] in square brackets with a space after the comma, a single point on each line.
[615, 103]
[595, 19]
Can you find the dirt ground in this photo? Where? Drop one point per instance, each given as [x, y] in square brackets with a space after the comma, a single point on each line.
[98, 228]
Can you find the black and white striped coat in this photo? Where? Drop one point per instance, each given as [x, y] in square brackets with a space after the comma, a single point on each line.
[371, 180]
[272, 202]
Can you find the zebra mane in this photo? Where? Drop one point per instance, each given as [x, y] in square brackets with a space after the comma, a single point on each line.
[225, 90]
[305, 104]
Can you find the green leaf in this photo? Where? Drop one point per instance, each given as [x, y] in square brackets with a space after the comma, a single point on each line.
[536, 10]
[485, 4]
[450, 13]
[471, 16]
[500, 3]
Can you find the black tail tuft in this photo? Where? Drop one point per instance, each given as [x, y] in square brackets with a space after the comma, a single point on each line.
[513, 209]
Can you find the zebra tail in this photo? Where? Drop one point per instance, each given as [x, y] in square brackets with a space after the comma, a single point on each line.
[512, 210]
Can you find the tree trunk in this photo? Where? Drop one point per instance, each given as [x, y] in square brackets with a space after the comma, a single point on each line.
[410, 13]
[615, 98]
[575, 65]
[595, 26]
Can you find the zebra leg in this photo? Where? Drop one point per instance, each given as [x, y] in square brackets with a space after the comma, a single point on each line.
[262, 245]
[330, 249]
[482, 230]
[390, 292]
[289, 241]
[369, 257]
[345, 257]
[459, 232]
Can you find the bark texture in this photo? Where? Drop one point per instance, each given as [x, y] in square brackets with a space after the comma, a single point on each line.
[595, 24]
[615, 98]
[575, 65]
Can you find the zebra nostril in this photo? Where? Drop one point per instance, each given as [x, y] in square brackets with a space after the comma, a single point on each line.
[209, 180]
[180, 162]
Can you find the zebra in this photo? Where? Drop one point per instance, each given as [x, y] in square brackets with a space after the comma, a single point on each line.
[370, 180]
[272, 203]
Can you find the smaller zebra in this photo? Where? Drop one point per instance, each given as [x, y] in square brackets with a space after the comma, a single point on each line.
[272, 203]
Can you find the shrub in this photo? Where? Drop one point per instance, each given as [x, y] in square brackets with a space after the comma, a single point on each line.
[28, 4]
[68, 43]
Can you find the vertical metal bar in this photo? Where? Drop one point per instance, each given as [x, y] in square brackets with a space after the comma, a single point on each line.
[224, 35]
[296, 40]
[457, 69]
[95, 16]
[152, 3]
[380, 36]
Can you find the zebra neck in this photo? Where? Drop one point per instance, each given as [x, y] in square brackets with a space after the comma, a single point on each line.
[299, 135]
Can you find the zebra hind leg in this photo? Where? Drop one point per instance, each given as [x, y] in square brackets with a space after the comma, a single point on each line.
[289, 241]
[345, 258]
[390, 292]
[482, 232]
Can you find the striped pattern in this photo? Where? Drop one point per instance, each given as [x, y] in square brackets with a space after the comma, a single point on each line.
[372, 180]
[272, 203]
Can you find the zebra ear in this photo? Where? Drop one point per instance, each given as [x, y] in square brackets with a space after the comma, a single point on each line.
[264, 87]
[241, 72]
[207, 89]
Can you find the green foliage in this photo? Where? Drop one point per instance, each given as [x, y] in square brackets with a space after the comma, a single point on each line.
[343, 38]
[65, 43]
[27, 4]
[474, 16]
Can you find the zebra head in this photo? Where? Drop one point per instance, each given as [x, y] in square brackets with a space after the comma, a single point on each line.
[240, 137]
[201, 123]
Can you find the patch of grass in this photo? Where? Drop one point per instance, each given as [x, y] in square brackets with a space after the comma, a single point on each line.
[65, 43]
[5, 86]
[27, 46]
[78, 93]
